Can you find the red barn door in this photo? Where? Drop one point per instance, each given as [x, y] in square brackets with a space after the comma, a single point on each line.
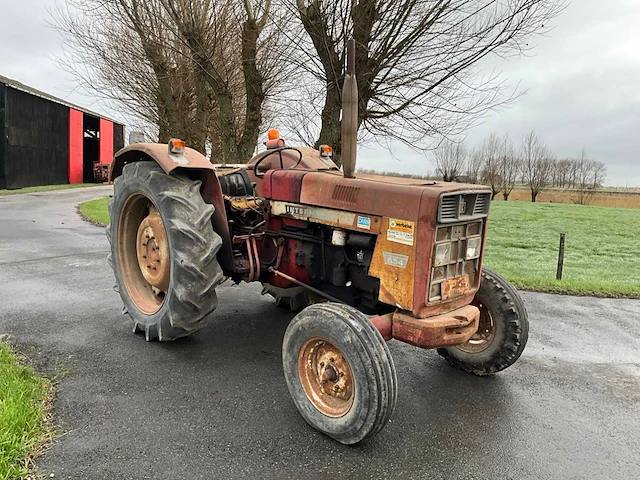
[76, 145]
[106, 142]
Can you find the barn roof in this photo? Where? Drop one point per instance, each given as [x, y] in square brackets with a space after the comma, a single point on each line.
[9, 82]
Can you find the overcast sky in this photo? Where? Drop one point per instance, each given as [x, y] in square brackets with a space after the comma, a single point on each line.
[583, 84]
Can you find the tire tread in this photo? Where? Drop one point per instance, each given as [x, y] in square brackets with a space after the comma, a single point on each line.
[193, 258]
[516, 325]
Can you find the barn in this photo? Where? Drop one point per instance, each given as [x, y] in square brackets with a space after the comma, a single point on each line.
[46, 141]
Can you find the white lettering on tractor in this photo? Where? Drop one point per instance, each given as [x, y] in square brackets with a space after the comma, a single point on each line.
[309, 213]
[395, 259]
[296, 210]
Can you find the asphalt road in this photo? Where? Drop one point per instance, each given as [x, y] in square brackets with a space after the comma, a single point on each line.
[216, 406]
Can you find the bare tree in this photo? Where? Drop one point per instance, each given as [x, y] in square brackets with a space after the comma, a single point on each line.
[199, 69]
[536, 164]
[474, 166]
[416, 61]
[554, 173]
[509, 167]
[449, 160]
[599, 174]
[590, 176]
[492, 165]
[563, 172]
[574, 173]
[114, 57]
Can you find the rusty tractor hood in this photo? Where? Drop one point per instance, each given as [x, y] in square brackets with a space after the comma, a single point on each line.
[375, 194]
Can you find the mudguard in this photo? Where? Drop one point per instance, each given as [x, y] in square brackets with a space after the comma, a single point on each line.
[198, 167]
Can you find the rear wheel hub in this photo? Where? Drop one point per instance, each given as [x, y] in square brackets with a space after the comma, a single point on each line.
[152, 250]
[143, 253]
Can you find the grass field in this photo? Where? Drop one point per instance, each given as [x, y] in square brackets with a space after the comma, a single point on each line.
[95, 211]
[602, 255]
[47, 188]
[24, 397]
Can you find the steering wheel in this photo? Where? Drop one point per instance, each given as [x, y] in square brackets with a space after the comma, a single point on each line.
[279, 151]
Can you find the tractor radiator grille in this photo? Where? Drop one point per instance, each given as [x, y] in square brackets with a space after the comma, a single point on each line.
[345, 194]
[463, 206]
[454, 265]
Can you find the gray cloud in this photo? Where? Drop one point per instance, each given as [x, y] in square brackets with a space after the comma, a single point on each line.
[582, 91]
[28, 47]
[582, 82]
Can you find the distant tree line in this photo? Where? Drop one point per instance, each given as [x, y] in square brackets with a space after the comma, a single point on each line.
[500, 165]
[369, 171]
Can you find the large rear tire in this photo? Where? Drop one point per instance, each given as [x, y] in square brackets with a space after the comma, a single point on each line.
[163, 251]
[503, 331]
[339, 372]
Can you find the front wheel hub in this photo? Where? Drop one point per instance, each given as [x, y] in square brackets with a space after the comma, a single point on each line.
[326, 377]
[484, 336]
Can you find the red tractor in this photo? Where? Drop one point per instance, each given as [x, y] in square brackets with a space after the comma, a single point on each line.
[367, 258]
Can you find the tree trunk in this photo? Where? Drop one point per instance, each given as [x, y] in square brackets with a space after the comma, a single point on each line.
[200, 126]
[332, 64]
[167, 128]
[253, 82]
[331, 132]
[226, 127]
[534, 195]
[505, 196]
[226, 117]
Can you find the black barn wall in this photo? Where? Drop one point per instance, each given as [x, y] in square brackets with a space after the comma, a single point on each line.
[3, 138]
[37, 141]
[118, 137]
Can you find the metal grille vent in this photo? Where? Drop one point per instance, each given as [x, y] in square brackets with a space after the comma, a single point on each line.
[449, 207]
[463, 206]
[345, 194]
[479, 208]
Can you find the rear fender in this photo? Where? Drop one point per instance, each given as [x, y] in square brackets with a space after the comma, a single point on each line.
[196, 166]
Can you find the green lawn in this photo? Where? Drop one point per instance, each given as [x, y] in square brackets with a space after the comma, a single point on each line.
[23, 424]
[95, 211]
[602, 255]
[46, 188]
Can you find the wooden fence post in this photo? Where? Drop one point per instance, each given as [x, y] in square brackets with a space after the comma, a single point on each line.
[560, 258]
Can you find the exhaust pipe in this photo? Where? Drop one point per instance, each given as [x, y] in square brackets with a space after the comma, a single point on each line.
[350, 113]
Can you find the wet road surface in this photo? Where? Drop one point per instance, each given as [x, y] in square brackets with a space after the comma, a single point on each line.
[215, 405]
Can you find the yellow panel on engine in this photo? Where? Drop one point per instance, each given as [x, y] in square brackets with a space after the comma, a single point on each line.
[393, 262]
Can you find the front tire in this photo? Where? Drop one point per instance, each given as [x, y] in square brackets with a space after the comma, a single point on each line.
[163, 251]
[339, 372]
[503, 331]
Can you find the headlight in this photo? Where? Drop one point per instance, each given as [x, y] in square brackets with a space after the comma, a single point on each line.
[443, 254]
[473, 248]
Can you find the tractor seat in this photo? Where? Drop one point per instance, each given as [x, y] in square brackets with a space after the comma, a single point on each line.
[235, 182]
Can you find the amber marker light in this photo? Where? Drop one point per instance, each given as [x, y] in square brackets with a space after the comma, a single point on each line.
[326, 151]
[176, 146]
[273, 134]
